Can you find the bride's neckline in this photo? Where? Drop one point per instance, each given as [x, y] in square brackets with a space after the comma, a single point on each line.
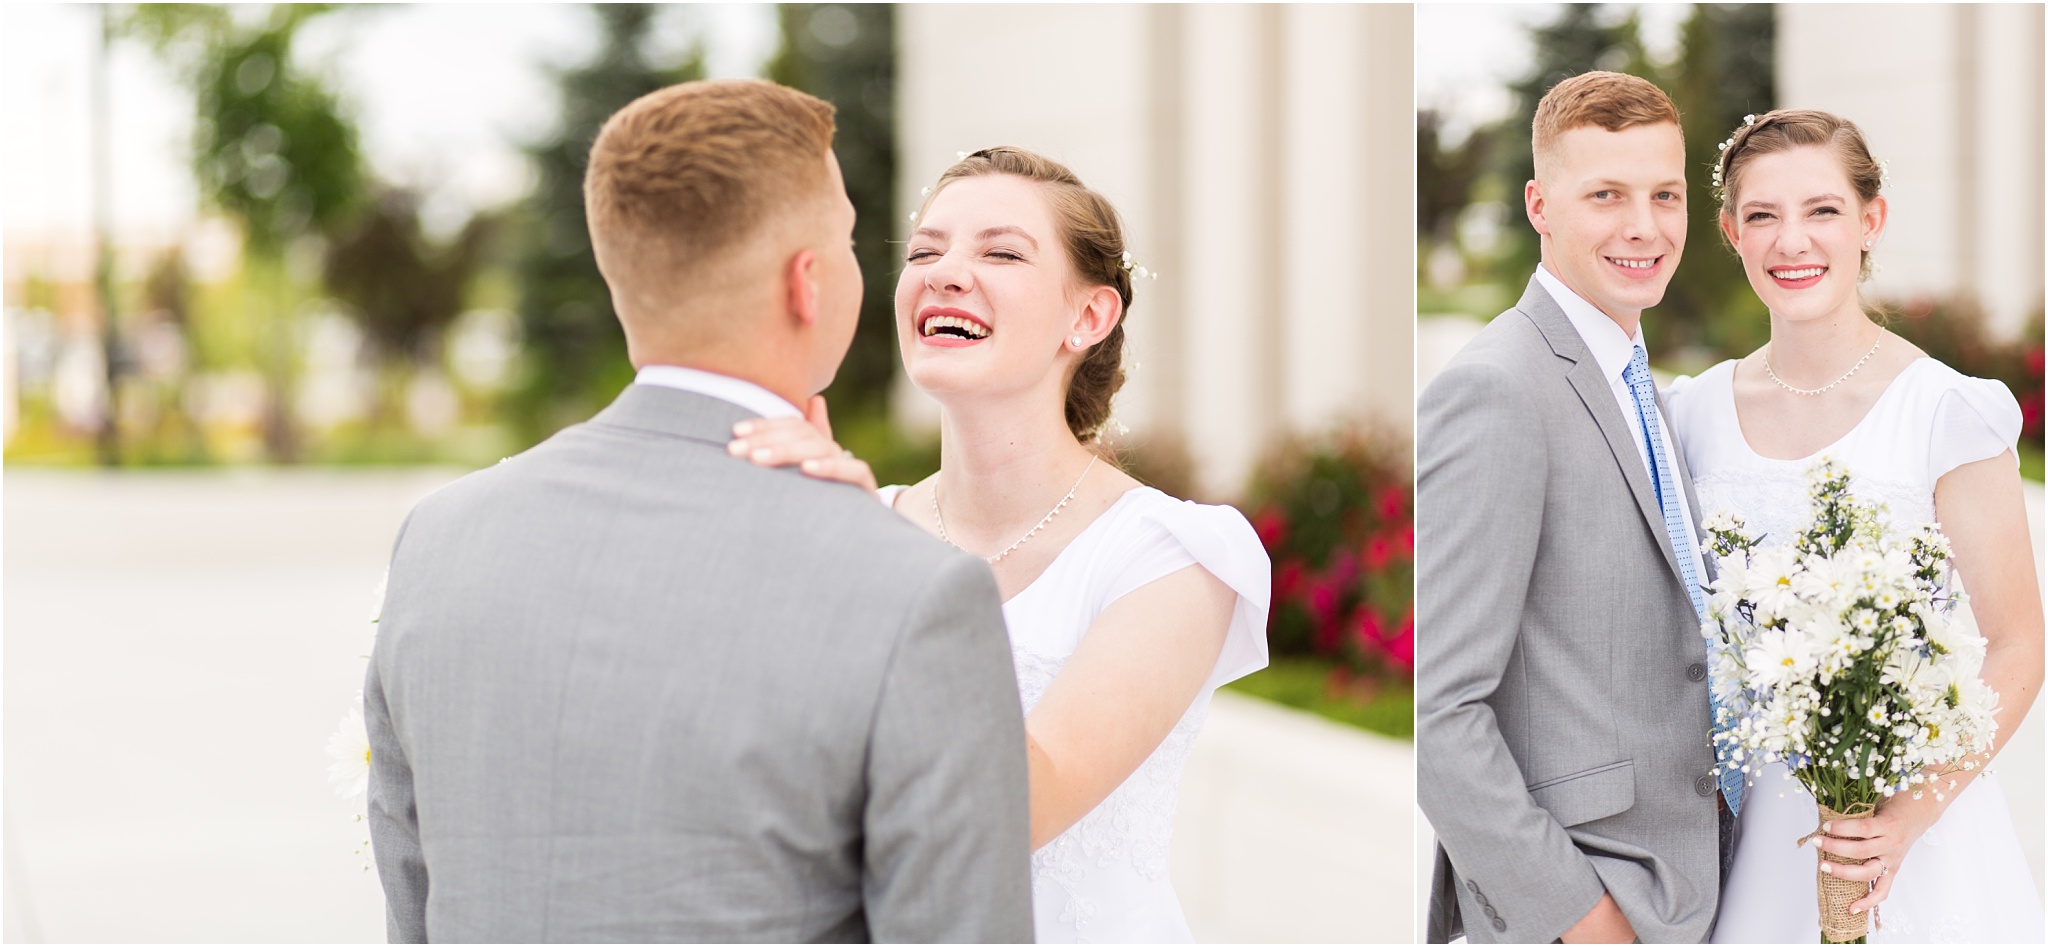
[1060, 556]
[1085, 532]
[1735, 411]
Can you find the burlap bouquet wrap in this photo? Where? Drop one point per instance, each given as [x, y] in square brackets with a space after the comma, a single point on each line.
[1838, 925]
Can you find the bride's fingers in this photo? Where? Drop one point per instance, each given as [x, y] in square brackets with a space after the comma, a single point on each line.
[843, 469]
[1876, 826]
[817, 417]
[1868, 871]
[1878, 892]
[780, 442]
[1853, 847]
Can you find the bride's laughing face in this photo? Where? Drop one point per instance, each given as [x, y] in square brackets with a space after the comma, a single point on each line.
[984, 301]
[1801, 232]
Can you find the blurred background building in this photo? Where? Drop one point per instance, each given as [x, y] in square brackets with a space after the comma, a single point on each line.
[1951, 95]
[1958, 112]
[255, 257]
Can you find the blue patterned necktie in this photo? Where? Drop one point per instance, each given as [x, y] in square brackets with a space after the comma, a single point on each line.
[1668, 490]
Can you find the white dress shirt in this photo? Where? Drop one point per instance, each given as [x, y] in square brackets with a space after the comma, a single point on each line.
[725, 388]
[1612, 351]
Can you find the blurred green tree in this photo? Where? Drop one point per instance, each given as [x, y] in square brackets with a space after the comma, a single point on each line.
[575, 352]
[1724, 71]
[846, 55]
[273, 149]
[1446, 174]
[401, 287]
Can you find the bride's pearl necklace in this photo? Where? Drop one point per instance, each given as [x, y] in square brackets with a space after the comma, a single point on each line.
[998, 557]
[1798, 391]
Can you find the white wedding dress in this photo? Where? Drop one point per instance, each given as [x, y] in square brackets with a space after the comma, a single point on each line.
[1965, 880]
[1105, 879]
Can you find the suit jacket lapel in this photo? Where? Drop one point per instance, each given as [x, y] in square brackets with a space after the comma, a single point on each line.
[1692, 500]
[1598, 395]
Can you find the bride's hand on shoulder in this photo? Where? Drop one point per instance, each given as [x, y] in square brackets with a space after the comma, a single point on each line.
[805, 443]
[1883, 840]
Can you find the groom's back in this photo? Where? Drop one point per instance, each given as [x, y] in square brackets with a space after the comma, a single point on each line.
[650, 692]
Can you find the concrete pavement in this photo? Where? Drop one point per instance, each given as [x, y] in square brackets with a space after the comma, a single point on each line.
[179, 645]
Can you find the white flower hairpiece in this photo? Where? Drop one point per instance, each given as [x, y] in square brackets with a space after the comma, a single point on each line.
[1136, 271]
[1747, 120]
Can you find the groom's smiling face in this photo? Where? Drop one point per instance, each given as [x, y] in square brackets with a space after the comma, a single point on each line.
[1611, 210]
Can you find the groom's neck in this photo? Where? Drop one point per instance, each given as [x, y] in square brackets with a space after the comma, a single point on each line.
[1627, 319]
[778, 368]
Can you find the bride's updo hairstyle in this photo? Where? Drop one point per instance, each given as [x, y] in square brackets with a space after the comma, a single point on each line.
[1786, 129]
[1094, 238]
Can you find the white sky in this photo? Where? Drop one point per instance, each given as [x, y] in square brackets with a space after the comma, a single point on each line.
[443, 95]
[1467, 53]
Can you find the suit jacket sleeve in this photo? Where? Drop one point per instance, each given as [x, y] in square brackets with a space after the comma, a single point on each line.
[393, 814]
[947, 823]
[1480, 486]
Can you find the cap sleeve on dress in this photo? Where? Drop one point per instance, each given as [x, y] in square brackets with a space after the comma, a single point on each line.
[889, 494]
[1174, 534]
[1974, 419]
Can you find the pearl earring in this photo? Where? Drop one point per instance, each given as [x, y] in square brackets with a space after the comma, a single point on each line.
[1077, 342]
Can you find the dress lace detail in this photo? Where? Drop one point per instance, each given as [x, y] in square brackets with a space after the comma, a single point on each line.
[1106, 877]
[1133, 827]
[1771, 500]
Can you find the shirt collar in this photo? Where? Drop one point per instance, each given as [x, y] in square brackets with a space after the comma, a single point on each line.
[725, 388]
[1610, 347]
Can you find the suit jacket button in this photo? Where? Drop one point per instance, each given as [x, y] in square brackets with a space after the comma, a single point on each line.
[1483, 904]
[1500, 925]
[1696, 672]
[1472, 886]
[1704, 785]
[1490, 912]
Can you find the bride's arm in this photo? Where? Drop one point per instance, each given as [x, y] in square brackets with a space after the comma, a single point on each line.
[1984, 515]
[1143, 661]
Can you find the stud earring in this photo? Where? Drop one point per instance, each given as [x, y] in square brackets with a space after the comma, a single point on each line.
[1077, 342]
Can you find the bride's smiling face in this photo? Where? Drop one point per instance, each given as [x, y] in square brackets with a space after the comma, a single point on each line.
[985, 301]
[1801, 231]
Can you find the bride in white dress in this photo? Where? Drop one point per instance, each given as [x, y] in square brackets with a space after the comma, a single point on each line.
[1802, 209]
[1126, 608]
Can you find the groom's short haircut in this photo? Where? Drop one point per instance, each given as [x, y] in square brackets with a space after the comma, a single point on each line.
[1610, 100]
[685, 173]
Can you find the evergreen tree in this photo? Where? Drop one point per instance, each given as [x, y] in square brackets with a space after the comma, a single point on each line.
[846, 55]
[575, 350]
[1724, 71]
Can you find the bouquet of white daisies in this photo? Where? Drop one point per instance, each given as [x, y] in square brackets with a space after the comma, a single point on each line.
[1836, 653]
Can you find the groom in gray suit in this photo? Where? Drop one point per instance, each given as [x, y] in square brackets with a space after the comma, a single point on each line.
[629, 688]
[1561, 700]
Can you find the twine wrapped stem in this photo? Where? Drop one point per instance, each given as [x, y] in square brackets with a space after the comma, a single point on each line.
[1838, 925]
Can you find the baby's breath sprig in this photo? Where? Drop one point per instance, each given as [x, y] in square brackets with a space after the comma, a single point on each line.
[1136, 271]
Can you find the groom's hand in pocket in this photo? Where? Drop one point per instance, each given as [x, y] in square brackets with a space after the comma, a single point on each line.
[1605, 924]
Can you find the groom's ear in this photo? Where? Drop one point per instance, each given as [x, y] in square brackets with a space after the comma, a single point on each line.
[800, 283]
[1532, 202]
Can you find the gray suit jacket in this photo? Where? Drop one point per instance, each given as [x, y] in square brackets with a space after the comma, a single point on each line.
[1561, 704]
[629, 688]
